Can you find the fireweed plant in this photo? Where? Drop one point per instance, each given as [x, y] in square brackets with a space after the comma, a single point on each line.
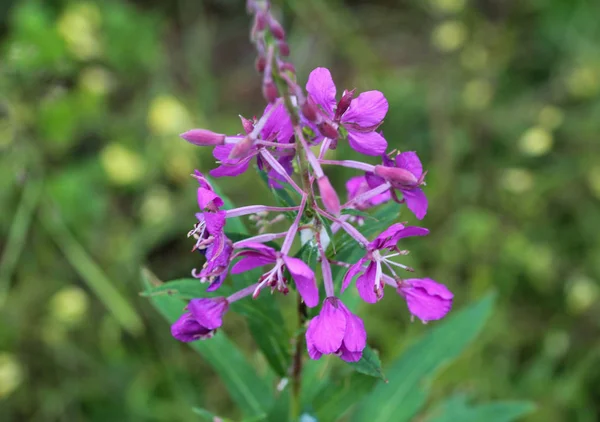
[283, 143]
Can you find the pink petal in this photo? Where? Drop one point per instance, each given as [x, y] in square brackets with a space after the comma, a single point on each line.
[249, 262]
[410, 161]
[367, 110]
[368, 143]
[426, 299]
[351, 273]
[416, 201]
[313, 353]
[366, 284]
[207, 196]
[349, 356]
[321, 88]
[355, 338]
[215, 222]
[305, 280]
[209, 312]
[326, 331]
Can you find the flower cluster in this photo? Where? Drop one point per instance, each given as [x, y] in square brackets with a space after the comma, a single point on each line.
[294, 121]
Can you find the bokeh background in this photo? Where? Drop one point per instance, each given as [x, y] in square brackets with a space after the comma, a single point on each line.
[501, 99]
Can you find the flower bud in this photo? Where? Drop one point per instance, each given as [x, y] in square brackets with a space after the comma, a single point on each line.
[397, 176]
[203, 137]
[343, 104]
[309, 110]
[284, 48]
[328, 130]
[260, 21]
[287, 66]
[247, 124]
[276, 29]
[260, 64]
[270, 90]
[329, 196]
[241, 149]
[203, 318]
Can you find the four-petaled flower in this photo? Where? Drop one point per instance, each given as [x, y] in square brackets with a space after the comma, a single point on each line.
[259, 255]
[336, 330]
[204, 316]
[360, 116]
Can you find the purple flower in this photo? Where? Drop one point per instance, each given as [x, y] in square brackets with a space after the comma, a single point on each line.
[202, 320]
[370, 281]
[336, 330]
[278, 128]
[259, 255]
[357, 186]
[426, 299]
[405, 174]
[215, 269]
[360, 116]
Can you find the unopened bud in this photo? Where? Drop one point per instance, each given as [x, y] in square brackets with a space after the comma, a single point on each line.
[203, 137]
[328, 130]
[260, 64]
[270, 91]
[287, 66]
[309, 110]
[247, 124]
[397, 176]
[329, 196]
[241, 149]
[260, 21]
[276, 29]
[344, 103]
[284, 48]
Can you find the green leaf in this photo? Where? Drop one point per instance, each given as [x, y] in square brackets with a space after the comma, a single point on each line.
[252, 393]
[282, 196]
[456, 408]
[328, 230]
[207, 415]
[185, 288]
[369, 364]
[358, 213]
[407, 390]
[336, 399]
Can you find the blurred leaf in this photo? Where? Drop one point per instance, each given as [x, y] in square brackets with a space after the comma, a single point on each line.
[282, 196]
[208, 416]
[369, 364]
[456, 408]
[407, 390]
[248, 390]
[358, 213]
[333, 401]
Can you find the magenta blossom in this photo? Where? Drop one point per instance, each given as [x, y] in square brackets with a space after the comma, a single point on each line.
[426, 299]
[336, 330]
[277, 129]
[357, 186]
[405, 174]
[370, 282]
[202, 320]
[360, 116]
[258, 255]
[215, 269]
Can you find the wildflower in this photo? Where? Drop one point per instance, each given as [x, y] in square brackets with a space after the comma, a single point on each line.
[360, 116]
[215, 269]
[405, 174]
[202, 320]
[370, 282]
[358, 185]
[336, 330]
[426, 299]
[259, 255]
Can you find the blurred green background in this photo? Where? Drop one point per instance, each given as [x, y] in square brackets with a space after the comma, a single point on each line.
[501, 99]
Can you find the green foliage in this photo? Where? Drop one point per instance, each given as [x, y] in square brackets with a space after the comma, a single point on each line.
[456, 408]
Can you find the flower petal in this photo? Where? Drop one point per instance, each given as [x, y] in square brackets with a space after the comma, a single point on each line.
[366, 284]
[209, 312]
[410, 161]
[355, 338]
[426, 299]
[326, 331]
[187, 329]
[367, 110]
[321, 88]
[278, 126]
[416, 201]
[305, 280]
[351, 273]
[349, 356]
[368, 143]
[229, 167]
[250, 261]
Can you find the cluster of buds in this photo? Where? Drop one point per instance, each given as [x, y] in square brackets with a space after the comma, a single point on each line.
[294, 121]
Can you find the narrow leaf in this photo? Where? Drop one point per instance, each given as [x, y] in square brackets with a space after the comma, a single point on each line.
[407, 390]
[358, 213]
[457, 408]
[336, 399]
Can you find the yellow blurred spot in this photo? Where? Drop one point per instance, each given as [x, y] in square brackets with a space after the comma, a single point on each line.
[517, 180]
[582, 292]
[11, 374]
[448, 6]
[551, 117]
[449, 36]
[156, 207]
[79, 26]
[594, 180]
[167, 116]
[179, 166]
[474, 57]
[536, 141]
[477, 94]
[121, 165]
[69, 305]
[584, 82]
[95, 80]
